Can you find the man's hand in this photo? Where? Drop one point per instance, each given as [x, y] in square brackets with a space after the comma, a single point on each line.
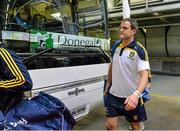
[131, 102]
[106, 90]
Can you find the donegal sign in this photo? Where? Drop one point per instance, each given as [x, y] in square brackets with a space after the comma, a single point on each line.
[55, 40]
[76, 40]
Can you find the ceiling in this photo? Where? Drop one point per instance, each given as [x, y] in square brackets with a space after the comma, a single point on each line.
[148, 13]
[153, 13]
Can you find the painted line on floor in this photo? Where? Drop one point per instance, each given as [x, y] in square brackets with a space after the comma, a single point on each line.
[165, 97]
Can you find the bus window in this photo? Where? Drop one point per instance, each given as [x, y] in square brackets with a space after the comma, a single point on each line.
[65, 57]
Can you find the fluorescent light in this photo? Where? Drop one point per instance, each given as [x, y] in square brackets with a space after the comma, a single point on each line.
[57, 16]
[156, 14]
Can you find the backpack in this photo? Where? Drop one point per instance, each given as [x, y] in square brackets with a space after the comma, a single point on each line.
[42, 112]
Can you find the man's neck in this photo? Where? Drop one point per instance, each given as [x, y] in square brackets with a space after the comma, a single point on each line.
[127, 42]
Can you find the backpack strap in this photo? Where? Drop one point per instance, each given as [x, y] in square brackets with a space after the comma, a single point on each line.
[115, 45]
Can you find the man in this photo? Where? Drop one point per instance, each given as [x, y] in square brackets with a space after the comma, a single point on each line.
[14, 79]
[128, 74]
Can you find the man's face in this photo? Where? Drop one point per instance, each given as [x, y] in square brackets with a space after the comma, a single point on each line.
[125, 31]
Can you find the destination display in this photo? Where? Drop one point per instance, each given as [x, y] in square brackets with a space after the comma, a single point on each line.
[45, 40]
[40, 39]
[15, 35]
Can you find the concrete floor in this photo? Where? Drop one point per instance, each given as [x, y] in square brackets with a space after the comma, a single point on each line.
[163, 110]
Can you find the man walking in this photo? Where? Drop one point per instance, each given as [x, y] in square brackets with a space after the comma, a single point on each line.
[128, 74]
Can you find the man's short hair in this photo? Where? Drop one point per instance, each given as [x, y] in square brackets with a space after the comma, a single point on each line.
[133, 22]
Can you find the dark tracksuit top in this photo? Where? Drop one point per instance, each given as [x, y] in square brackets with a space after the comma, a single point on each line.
[14, 79]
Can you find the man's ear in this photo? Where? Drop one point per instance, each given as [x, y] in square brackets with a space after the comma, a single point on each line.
[134, 31]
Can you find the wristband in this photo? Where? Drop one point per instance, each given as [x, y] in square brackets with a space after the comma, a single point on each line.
[135, 93]
[138, 92]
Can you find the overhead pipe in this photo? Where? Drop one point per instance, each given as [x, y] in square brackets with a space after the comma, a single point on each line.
[153, 17]
[74, 15]
[111, 3]
[94, 22]
[92, 25]
[160, 25]
[126, 9]
[20, 9]
[146, 5]
[154, 7]
[84, 24]
[117, 12]
[105, 18]
[153, 26]
[89, 12]
[136, 6]
[161, 16]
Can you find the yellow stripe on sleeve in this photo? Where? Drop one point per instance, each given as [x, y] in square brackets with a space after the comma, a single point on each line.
[146, 57]
[19, 78]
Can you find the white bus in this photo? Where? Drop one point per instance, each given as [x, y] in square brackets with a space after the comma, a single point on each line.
[73, 74]
[73, 69]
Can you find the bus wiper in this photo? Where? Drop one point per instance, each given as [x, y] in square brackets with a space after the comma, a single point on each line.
[32, 57]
